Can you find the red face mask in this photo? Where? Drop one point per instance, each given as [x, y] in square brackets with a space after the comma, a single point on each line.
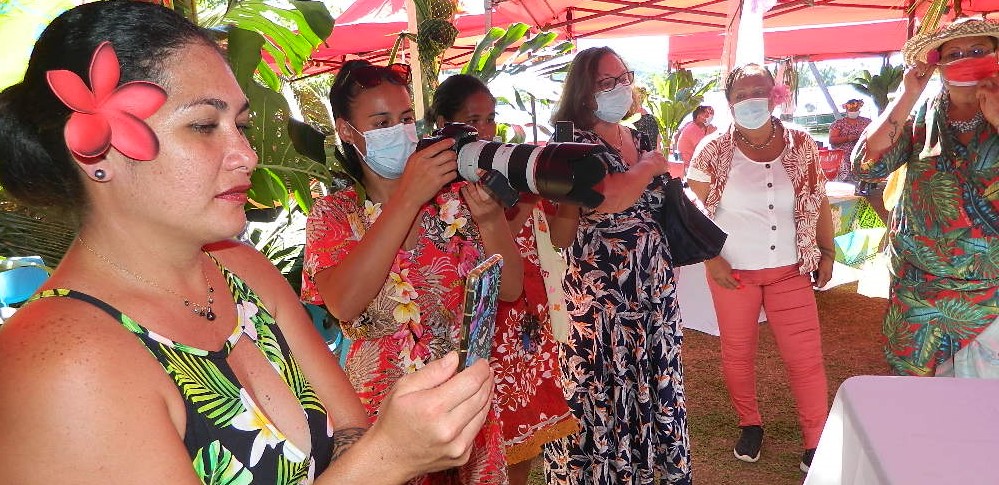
[970, 70]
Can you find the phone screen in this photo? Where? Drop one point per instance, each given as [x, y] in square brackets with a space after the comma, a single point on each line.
[479, 316]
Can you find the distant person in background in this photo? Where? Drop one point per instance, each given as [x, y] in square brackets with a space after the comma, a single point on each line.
[692, 133]
[844, 134]
[944, 294]
[761, 182]
[525, 355]
[646, 123]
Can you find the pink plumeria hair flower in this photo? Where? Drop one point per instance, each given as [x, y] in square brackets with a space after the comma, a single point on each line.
[933, 57]
[109, 115]
[780, 94]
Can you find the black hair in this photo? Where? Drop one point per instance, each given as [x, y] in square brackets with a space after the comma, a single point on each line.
[743, 71]
[698, 110]
[36, 168]
[451, 95]
[342, 95]
[577, 102]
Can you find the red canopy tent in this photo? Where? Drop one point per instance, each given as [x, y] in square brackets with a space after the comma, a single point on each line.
[621, 18]
[813, 41]
[368, 28]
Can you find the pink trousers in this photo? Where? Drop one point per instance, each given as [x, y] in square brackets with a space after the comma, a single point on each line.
[789, 302]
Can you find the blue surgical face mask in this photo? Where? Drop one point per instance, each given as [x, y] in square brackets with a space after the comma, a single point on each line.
[614, 104]
[389, 149]
[751, 113]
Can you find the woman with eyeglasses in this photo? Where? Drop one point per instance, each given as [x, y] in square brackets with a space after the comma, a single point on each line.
[161, 349]
[388, 256]
[525, 354]
[943, 160]
[621, 366]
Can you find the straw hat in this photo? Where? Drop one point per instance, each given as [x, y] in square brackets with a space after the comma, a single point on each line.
[916, 48]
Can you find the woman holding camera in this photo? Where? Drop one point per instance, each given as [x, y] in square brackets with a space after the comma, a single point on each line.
[621, 367]
[525, 355]
[388, 257]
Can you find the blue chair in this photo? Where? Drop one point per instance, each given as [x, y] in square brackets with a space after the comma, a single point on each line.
[338, 343]
[20, 278]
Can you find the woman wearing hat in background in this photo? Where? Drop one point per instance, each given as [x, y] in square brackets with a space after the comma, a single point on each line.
[844, 134]
[945, 229]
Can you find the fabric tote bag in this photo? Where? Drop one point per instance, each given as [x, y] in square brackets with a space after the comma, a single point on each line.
[692, 236]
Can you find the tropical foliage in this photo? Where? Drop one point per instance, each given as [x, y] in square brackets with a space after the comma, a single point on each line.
[879, 86]
[288, 35]
[486, 64]
[530, 66]
[674, 96]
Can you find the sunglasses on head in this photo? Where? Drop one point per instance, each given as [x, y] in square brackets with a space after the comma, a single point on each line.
[370, 76]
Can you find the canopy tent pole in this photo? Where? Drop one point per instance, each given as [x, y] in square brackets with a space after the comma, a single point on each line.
[414, 60]
[488, 5]
[825, 91]
[731, 37]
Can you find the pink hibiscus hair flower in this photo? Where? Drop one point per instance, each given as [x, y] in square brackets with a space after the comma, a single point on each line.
[107, 115]
[780, 94]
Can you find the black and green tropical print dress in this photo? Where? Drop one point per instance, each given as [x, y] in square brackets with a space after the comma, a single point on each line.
[230, 440]
[944, 239]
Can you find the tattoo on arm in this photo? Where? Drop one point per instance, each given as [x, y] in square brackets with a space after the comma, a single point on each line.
[343, 439]
[895, 129]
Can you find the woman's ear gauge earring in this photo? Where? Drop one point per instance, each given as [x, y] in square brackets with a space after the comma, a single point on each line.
[100, 174]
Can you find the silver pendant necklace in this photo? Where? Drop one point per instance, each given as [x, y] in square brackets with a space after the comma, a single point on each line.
[203, 311]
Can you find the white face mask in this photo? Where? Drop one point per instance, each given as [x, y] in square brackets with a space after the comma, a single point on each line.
[389, 149]
[752, 113]
[708, 120]
[614, 104]
[852, 114]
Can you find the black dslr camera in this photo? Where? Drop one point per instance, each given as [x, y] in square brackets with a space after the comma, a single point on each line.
[557, 171]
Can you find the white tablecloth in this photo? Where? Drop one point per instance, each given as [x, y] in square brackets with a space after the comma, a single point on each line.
[696, 308]
[910, 431]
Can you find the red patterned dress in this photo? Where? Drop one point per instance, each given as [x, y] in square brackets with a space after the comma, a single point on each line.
[525, 361]
[414, 319]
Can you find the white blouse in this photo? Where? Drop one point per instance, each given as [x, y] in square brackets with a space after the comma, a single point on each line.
[757, 212]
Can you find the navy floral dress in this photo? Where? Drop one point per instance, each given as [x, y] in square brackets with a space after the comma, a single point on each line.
[621, 367]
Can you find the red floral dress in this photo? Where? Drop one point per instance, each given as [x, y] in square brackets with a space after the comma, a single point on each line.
[525, 362]
[414, 319]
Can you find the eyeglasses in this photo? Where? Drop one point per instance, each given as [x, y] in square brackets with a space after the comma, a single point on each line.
[608, 83]
[370, 76]
[958, 55]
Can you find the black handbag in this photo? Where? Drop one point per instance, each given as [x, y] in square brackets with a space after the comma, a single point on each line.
[692, 236]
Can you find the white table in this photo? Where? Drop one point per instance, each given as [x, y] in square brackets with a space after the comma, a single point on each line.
[910, 431]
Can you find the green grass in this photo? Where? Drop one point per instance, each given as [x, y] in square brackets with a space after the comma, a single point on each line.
[851, 340]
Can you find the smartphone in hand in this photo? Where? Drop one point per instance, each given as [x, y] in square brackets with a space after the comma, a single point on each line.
[478, 321]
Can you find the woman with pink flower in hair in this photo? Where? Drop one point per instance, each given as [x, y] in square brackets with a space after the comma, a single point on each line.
[161, 349]
[760, 181]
